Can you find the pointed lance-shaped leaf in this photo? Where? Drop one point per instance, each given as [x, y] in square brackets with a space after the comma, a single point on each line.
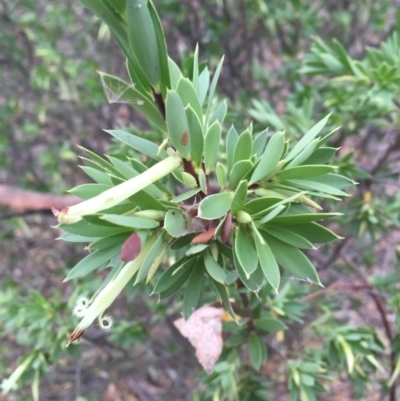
[270, 157]
[211, 145]
[143, 41]
[162, 49]
[245, 251]
[177, 124]
[266, 258]
[196, 136]
[307, 138]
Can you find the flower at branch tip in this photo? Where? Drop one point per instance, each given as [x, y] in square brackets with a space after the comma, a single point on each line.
[115, 195]
[90, 311]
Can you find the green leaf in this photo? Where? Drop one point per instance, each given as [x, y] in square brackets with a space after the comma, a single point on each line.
[175, 223]
[244, 147]
[214, 270]
[245, 251]
[204, 82]
[289, 237]
[307, 138]
[182, 242]
[86, 229]
[219, 113]
[291, 259]
[258, 205]
[211, 145]
[173, 273]
[334, 180]
[151, 248]
[162, 49]
[307, 380]
[267, 260]
[109, 241]
[185, 195]
[304, 154]
[196, 69]
[259, 143]
[321, 156]
[177, 124]
[272, 211]
[143, 41]
[303, 172]
[130, 221]
[254, 282]
[220, 171]
[215, 206]
[239, 172]
[97, 259]
[174, 73]
[257, 351]
[196, 249]
[269, 325]
[96, 175]
[213, 87]
[278, 209]
[313, 232]
[88, 191]
[231, 140]
[315, 186]
[196, 136]
[301, 218]
[203, 181]
[141, 145]
[193, 290]
[138, 79]
[179, 282]
[76, 238]
[124, 168]
[239, 198]
[237, 339]
[145, 201]
[188, 96]
[270, 157]
[104, 164]
[222, 294]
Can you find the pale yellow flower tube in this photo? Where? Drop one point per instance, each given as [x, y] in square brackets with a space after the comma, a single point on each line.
[119, 193]
[96, 309]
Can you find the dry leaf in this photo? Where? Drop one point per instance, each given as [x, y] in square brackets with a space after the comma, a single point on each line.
[204, 331]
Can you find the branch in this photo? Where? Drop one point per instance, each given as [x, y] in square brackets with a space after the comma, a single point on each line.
[25, 201]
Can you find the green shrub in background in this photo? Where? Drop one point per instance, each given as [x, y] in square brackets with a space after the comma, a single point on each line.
[226, 210]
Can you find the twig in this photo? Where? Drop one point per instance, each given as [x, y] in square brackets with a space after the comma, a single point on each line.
[385, 322]
[336, 286]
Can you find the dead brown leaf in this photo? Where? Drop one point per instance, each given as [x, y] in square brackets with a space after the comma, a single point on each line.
[204, 331]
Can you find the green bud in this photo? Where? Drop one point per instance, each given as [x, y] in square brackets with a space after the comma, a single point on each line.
[189, 180]
[156, 215]
[243, 217]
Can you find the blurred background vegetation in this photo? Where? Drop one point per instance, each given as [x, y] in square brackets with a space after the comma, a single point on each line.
[282, 70]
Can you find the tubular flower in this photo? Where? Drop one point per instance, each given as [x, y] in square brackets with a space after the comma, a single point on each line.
[89, 312]
[119, 193]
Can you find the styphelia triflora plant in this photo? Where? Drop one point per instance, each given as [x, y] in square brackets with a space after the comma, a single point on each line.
[231, 209]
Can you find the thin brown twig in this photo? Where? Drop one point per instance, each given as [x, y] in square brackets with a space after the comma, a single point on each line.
[383, 314]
